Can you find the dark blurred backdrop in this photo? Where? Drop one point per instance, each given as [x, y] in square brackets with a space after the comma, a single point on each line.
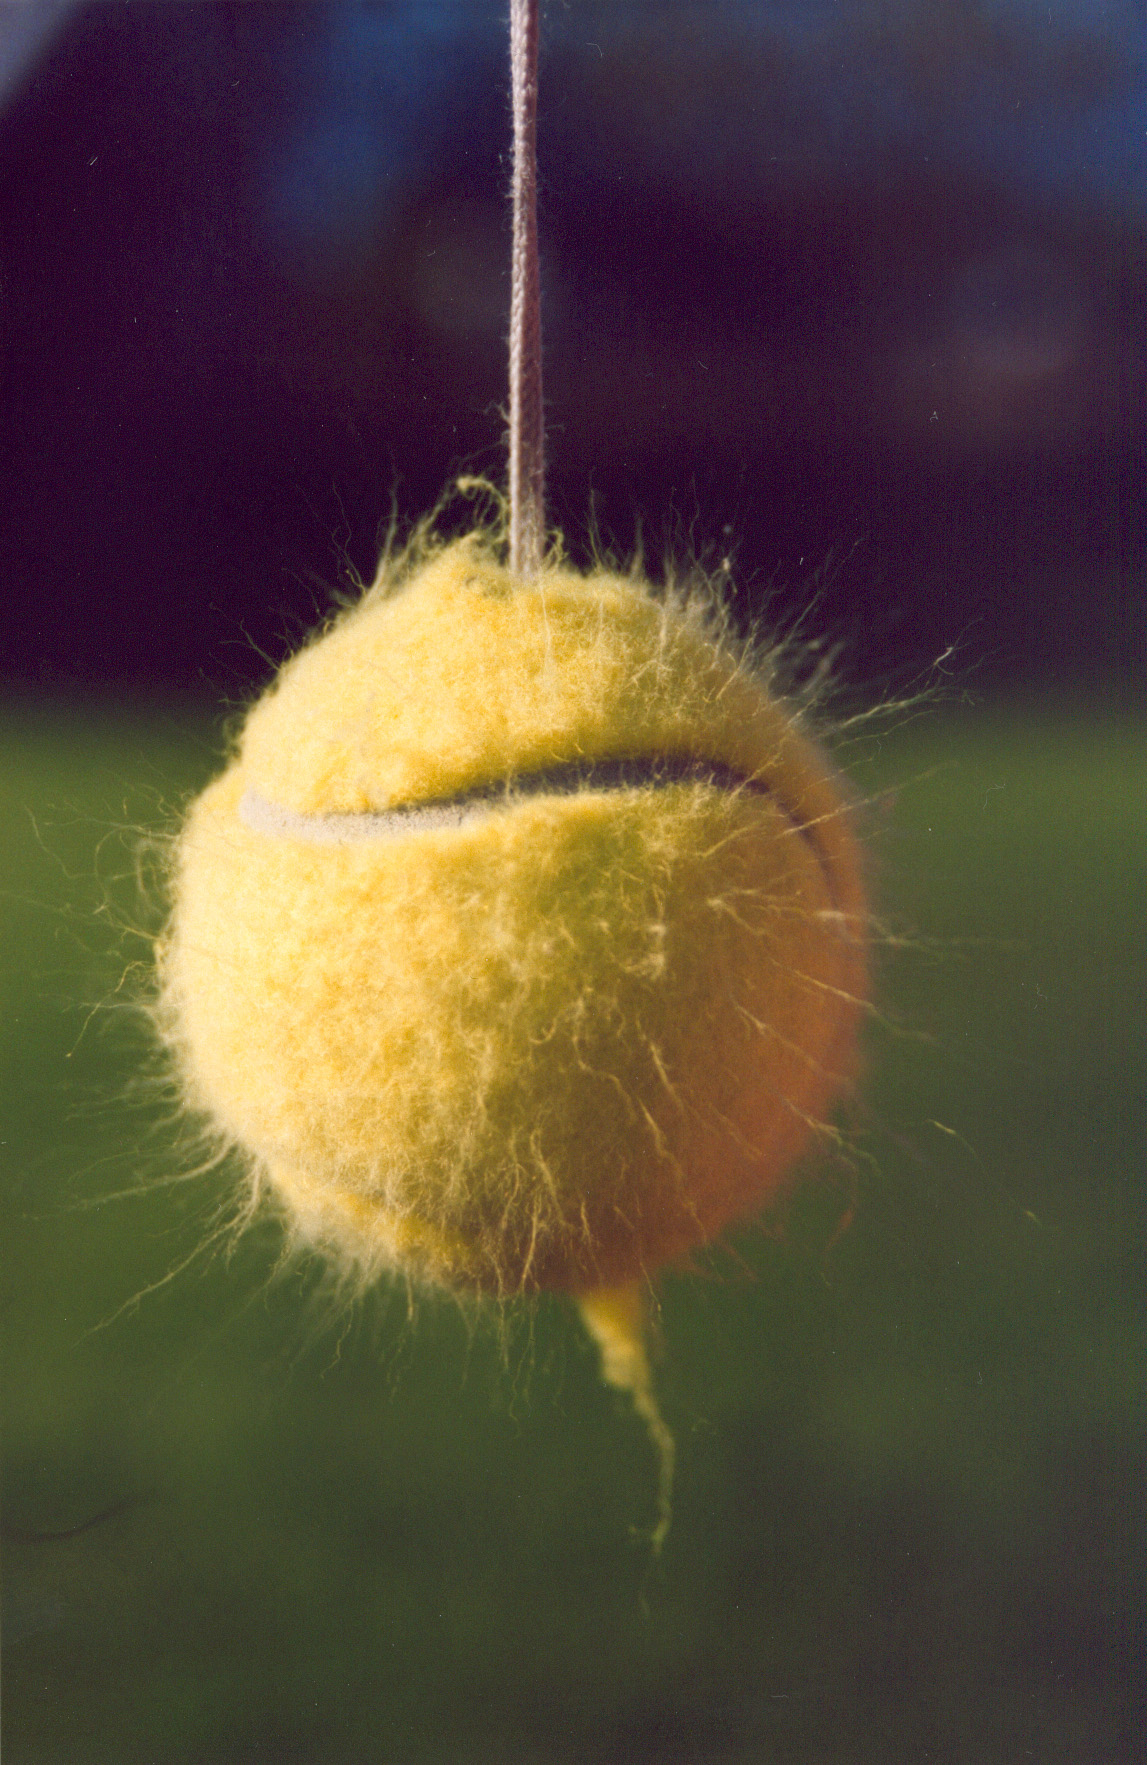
[854, 292]
[855, 289]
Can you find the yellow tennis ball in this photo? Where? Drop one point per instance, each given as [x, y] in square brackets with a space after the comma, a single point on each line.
[522, 942]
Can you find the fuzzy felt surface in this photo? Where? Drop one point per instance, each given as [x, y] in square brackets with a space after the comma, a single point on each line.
[522, 943]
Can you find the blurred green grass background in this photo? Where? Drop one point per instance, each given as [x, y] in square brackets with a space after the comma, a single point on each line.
[906, 1505]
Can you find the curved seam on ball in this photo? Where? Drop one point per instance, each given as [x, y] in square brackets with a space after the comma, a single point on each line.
[577, 778]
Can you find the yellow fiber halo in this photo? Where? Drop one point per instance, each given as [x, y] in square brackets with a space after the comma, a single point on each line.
[522, 942]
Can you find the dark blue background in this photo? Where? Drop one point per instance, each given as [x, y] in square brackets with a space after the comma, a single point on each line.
[857, 290]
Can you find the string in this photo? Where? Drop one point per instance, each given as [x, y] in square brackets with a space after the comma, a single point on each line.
[527, 423]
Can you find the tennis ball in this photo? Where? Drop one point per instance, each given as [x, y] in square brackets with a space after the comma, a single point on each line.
[521, 944]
